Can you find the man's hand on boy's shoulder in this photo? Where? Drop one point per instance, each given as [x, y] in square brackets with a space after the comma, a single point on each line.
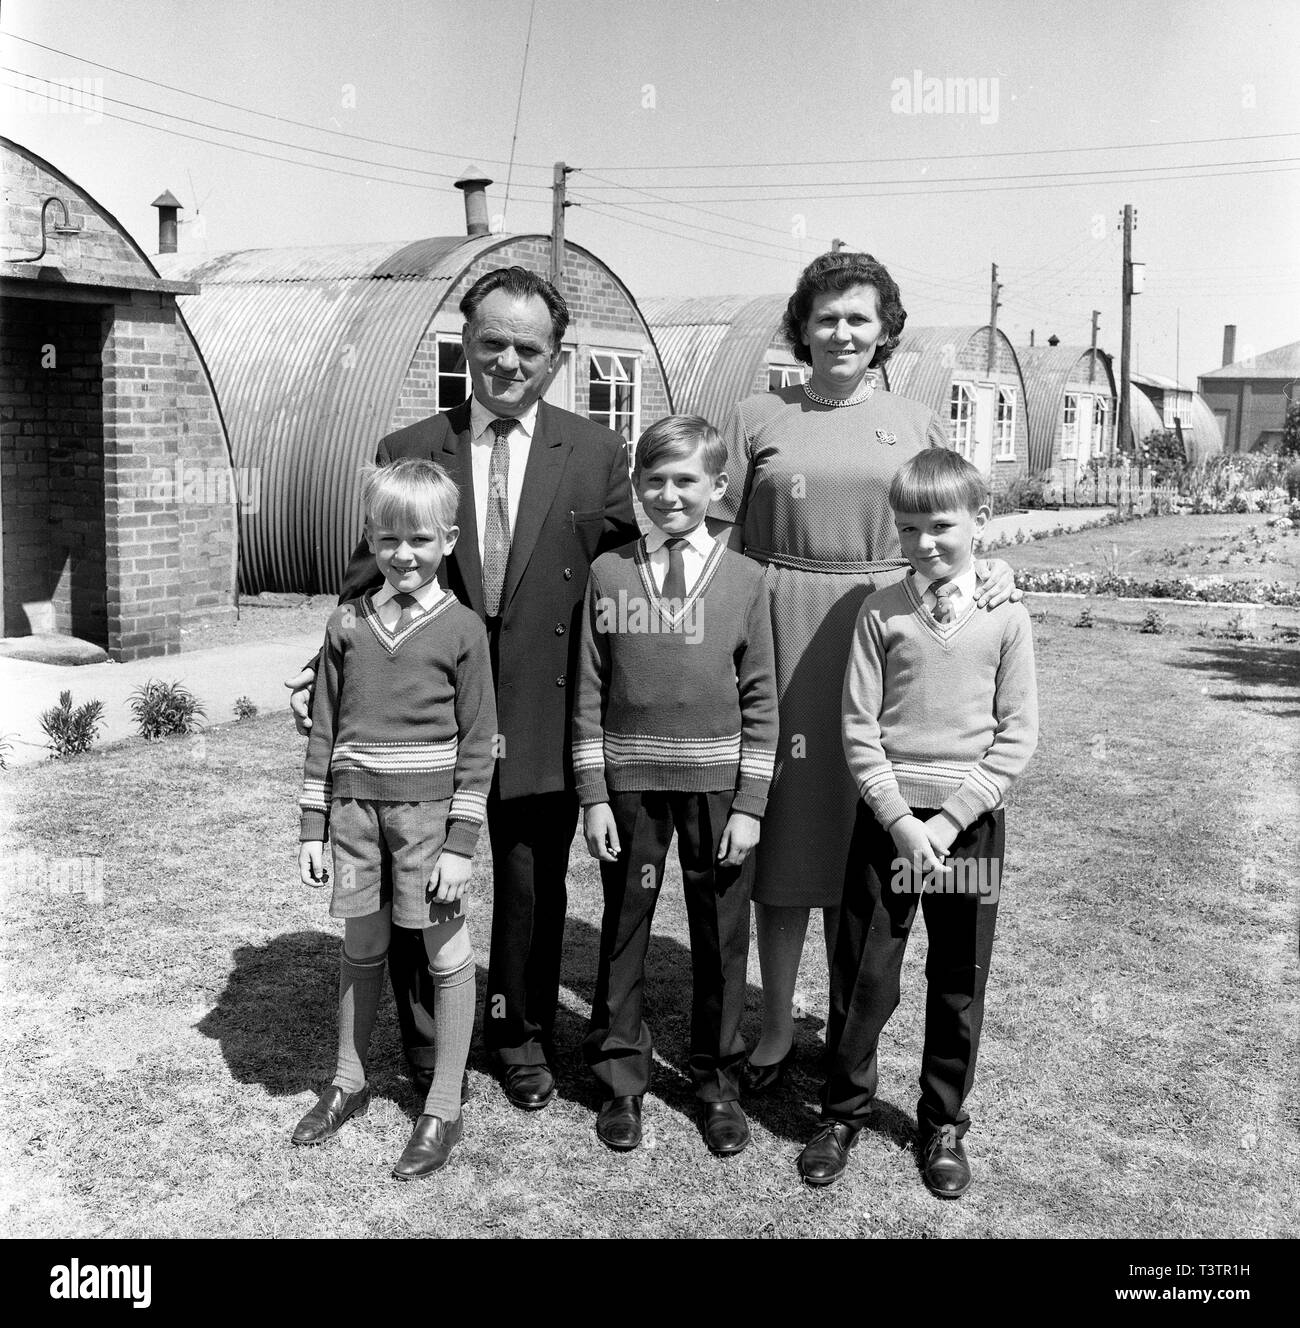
[600, 832]
[739, 838]
[451, 875]
[995, 583]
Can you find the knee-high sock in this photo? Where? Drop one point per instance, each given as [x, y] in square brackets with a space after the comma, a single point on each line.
[453, 1021]
[359, 987]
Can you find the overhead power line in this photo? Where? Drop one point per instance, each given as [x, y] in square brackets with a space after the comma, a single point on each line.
[269, 115]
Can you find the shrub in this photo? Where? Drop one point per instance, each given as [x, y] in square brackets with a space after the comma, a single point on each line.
[71, 732]
[1154, 623]
[162, 709]
[1019, 493]
[1291, 434]
[5, 748]
[244, 708]
[1085, 618]
[1291, 480]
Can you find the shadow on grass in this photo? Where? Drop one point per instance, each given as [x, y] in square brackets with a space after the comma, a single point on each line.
[1249, 665]
[276, 1023]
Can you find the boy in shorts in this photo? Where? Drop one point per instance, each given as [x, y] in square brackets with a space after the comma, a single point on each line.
[399, 762]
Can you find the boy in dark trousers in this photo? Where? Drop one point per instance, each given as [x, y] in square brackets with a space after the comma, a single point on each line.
[399, 763]
[676, 727]
[940, 716]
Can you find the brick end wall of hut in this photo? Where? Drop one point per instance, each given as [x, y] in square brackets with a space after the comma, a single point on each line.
[973, 360]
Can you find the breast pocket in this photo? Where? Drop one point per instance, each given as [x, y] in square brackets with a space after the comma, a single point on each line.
[584, 530]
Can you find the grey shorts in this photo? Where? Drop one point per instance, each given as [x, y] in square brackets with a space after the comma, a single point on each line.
[384, 852]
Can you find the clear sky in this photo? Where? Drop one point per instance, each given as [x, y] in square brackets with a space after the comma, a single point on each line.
[722, 143]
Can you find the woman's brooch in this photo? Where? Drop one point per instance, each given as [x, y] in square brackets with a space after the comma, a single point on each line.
[886, 437]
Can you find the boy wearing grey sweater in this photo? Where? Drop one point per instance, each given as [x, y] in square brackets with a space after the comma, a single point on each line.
[940, 716]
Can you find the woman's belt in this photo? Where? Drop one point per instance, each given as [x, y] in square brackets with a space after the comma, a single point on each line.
[768, 558]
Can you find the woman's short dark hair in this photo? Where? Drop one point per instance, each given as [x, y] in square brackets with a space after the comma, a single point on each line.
[522, 284]
[837, 271]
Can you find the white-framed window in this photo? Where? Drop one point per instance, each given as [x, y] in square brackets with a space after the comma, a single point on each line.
[1101, 426]
[1006, 424]
[1177, 409]
[784, 375]
[961, 420]
[1070, 426]
[453, 374]
[614, 392]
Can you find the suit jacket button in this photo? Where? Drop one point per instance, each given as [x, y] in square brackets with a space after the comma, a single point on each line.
[559, 682]
[559, 629]
[568, 573]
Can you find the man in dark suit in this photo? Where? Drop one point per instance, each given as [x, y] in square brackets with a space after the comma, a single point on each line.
[542, 493]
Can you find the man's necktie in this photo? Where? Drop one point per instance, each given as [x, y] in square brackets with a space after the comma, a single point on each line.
[675, 581]
[496, 530]
[409, 611]
[945, 611]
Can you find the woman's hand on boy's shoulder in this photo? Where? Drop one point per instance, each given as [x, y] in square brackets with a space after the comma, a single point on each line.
[995, 583]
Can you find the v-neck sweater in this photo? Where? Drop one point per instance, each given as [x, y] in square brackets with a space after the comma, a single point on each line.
[678, 702]
[938, 715]
[404, 716]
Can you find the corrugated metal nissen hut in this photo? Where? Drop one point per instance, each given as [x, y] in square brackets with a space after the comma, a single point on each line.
[982, 398]
[317, 353]
[1178, 410]
[118, 503]
[1070, 405]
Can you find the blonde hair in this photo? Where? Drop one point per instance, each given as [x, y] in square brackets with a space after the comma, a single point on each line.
[937, 480]
[411, 491]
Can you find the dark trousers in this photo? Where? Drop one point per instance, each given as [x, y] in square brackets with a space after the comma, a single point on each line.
[618, 1043]
[875, 921]
[530, 860]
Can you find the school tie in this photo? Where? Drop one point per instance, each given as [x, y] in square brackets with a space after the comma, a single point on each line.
[945, 611]
[410, 610]
[496, 533]
[675, 581]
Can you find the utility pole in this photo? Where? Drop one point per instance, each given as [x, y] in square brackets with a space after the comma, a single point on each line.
[558, 204]
[994, 306]
[1092, 357]
[836, 245]
[1126, 330]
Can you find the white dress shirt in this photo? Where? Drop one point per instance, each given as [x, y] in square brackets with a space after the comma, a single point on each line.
[425, 598]
[699, 544]
[961, 597]
[482, 440]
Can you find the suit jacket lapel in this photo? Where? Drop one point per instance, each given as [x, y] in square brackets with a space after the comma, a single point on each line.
[457, 459]
[546, 458]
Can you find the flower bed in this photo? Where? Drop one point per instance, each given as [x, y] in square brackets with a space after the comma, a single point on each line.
[1206, 589]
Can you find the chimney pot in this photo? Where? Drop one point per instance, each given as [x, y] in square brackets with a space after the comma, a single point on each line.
[168, 206]
[473, 182]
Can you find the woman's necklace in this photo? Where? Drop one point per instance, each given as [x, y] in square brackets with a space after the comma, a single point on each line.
[867, 388]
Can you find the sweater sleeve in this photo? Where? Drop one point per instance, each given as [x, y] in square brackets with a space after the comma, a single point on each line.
[589, 707]
[1015, 708]
[476, 734]
[861, 701]
[733, 504]
[756, 678]
[314, 801]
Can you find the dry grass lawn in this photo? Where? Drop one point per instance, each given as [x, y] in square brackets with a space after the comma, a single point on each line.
[1137, 1076]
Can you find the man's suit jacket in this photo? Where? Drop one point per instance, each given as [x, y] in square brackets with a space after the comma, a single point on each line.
[576, 503]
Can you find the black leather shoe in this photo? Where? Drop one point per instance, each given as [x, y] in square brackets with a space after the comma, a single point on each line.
[422, 1081]
[429, 1147]
[619, 1123]
[334, 1106]
[726, 1131]
[943, 1164]
[758, 1079]
[529, 1087]
[826, 1154]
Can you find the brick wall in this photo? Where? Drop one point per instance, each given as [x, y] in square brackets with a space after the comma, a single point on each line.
[596, 304]
[52, 469]
[146, 546]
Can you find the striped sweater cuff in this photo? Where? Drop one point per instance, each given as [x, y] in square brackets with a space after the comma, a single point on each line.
[462, 837]
[978, 794]
[313, 826]
[880, 792]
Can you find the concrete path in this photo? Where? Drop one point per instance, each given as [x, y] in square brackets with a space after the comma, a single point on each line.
[1070, 518]
[216, 677]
